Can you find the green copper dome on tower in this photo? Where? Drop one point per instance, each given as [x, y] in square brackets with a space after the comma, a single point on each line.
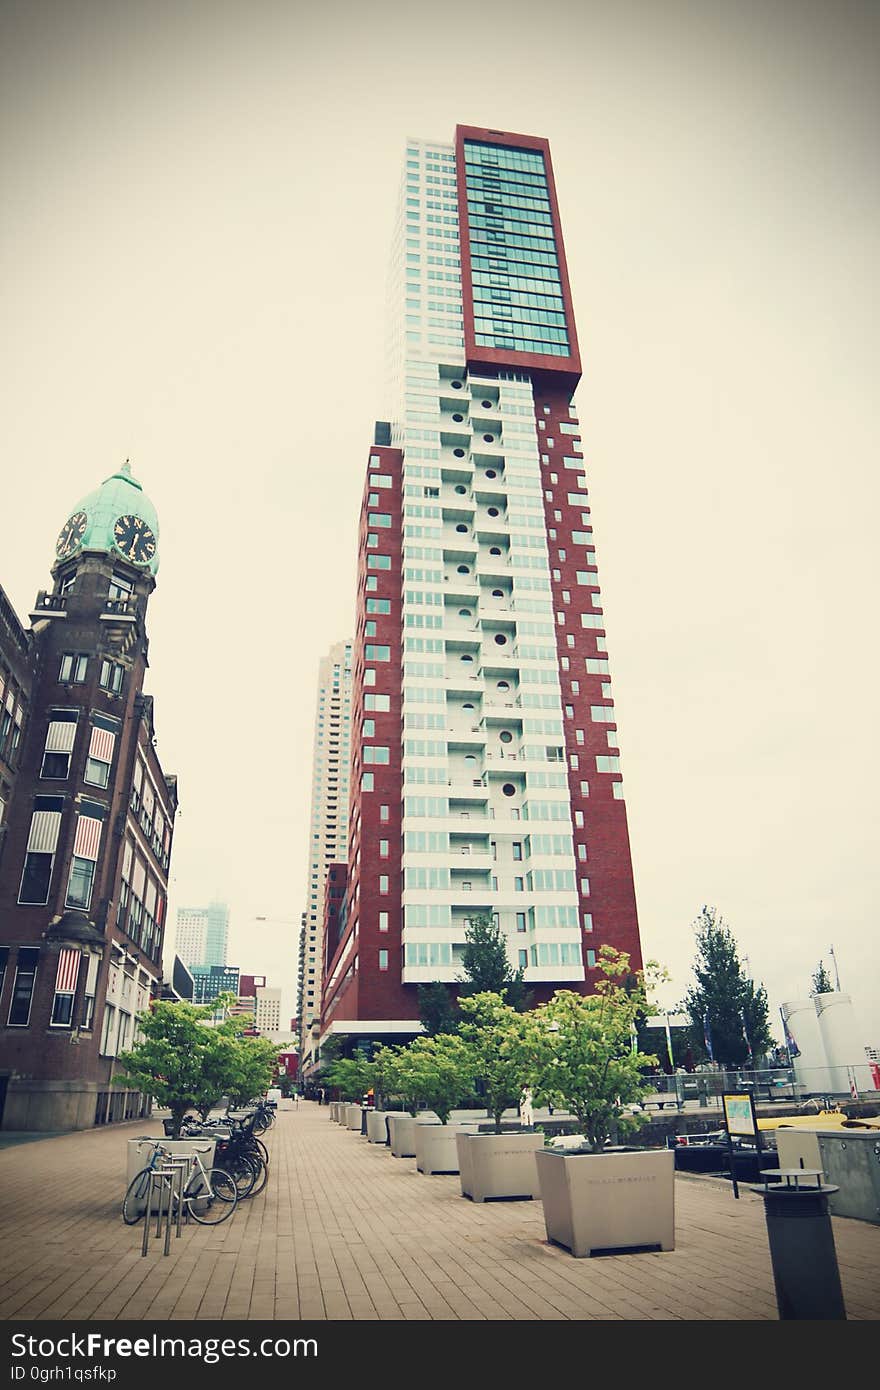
[116, 519]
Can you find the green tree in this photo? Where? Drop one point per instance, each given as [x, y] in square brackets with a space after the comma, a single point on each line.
[487, 969]
[439, 1072]
[398, 1076]
[170, 1059]
[254, 1068]
[502, 1051]
[351, 1076]
[724, 998]
[583, 1052]
[437, 1011]
[821, 980]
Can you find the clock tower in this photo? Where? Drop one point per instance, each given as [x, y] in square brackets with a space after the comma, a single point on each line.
[85, 857]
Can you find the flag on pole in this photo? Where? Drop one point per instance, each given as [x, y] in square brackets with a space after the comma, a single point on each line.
[707, 1036]
[669, 1042]
[853, 1088]
[791, 1046]
[742, 1014]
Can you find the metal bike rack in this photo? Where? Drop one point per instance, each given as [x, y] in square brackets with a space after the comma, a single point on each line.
[162, 1184]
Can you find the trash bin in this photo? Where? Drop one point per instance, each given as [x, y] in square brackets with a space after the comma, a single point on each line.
[802, 1249]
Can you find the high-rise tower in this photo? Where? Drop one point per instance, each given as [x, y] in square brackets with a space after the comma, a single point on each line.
[202, 936]
[328, 831]
[85, 855]
[485, 765]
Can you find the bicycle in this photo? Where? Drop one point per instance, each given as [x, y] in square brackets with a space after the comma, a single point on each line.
[209, 1194]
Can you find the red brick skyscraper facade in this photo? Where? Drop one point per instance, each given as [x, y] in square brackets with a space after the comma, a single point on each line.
[485, 775]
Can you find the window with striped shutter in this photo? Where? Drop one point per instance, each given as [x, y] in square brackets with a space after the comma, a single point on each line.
[65, 987]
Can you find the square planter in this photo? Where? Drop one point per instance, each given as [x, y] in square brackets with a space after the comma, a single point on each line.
[401, 1134]
[352, 1118]
[609, 1201]
[435, 1147]
[498, 1165]
[377, 1129]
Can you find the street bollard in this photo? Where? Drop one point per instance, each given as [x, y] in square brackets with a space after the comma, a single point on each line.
[801, 1240]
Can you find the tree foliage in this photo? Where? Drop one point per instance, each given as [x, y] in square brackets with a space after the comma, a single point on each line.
[501, 1047]
[186, 1064]
[350, 1076]
[821, 980]
[583, 1053]
[438, 1072]
[437, 1011]
[487, 969]
[723, 998]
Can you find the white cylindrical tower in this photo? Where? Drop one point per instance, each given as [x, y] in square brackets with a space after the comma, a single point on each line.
[810, 1066]
[844, 1048]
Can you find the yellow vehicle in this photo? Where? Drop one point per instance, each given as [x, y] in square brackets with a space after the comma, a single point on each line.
[823, 1119]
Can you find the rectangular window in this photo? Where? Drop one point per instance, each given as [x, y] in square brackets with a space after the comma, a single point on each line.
[383, 883]
[383, 960]
[517, 849]
[373, 753]
[378, 605]
[73, 668]
[23, 988]
[377, 653]
[587, 920]
[379, 562]
[383, 921]
[79, 887]
[65, 988]
[367, 782]
[519, 885]
[383, 849]
[591, 959]
[384, 813]
[523, 959]
[380, 519]
[520, 921]
[381, 704]
[585, 887]
[585, 789]
[369, 729]
[108, 1031]
[111, 676]
[120, 586]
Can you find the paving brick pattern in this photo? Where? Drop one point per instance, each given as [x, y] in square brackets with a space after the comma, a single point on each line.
[345, 1231]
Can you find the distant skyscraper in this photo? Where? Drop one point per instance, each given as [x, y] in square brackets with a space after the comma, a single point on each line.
[328, 827]
[485, 766]
[203, 934]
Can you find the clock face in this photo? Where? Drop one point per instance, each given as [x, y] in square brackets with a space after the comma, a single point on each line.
[72, 533]
[134, 539]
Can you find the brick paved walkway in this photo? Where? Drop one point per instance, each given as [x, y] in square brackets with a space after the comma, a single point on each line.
[344, 1230]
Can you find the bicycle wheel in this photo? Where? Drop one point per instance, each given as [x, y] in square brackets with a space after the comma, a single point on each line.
[134, 1203]
[215, 1203]
[261, 1179]
[260, 1152]
[243, 1171]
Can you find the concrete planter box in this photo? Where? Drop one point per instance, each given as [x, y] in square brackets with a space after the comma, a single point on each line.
[609, 1201]
[401, 1134]
[435, 1146]
[353, 1117]
[498, 1165]
[139, 1153]
[377, 1129]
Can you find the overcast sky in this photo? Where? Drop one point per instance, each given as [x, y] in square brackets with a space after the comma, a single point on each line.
[198, 202]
